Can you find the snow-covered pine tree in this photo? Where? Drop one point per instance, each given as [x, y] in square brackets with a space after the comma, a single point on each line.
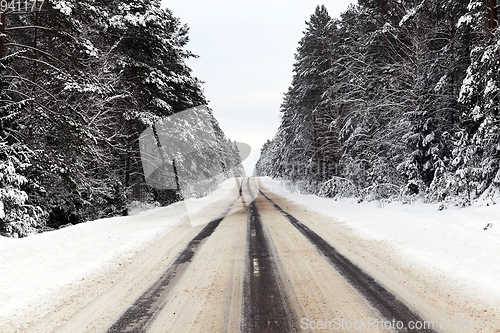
[420, 90]
[304, 117]
[150, 57]
[451, 49]
[390, 99]
[18, 218]
[80, 80]
[40, 56]
[360, 88]
[477, 150]
[419, 78]
[264, 165]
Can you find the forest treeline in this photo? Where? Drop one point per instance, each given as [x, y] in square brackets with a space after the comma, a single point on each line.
[394, 99]
[80, 80]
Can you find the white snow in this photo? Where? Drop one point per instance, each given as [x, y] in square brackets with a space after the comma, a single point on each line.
[451, 242]
[34, 268]
[63, 7]
[408, 16]
[464, 20]
[411, 13]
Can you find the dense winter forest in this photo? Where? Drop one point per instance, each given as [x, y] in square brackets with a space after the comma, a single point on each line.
[395, 98]
[80, 81]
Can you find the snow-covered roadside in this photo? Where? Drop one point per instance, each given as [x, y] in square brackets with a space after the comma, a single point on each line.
[451, 242]
[32, 269]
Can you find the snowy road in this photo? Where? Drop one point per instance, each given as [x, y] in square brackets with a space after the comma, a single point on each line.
[262, 263]
[273, 291]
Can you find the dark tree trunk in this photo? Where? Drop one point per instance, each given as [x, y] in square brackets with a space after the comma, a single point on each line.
[2, 31]
[492, 19]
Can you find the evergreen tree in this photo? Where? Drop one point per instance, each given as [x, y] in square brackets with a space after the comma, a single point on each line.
[17, 217]
[476, 153]
[361, 86]
[80, 81]
[389, 100]
[303, 111]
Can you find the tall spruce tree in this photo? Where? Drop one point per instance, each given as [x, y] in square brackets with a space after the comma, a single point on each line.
[303, 110]
[477, 152]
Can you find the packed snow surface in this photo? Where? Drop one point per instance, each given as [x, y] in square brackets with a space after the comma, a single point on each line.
[451, 242]
[34, 268]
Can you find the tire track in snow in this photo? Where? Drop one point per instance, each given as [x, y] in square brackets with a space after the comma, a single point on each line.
[143, 312]
[385, 303]
[266, 306]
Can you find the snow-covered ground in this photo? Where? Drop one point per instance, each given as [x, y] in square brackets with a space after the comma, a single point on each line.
[451, 242]
[36, 267]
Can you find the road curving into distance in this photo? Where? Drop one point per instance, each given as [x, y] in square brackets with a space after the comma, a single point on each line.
[259, 265]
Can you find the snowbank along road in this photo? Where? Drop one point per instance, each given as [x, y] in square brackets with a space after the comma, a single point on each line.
[260, 264]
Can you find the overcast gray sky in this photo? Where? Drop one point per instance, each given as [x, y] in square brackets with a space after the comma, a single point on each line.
[246, 51]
